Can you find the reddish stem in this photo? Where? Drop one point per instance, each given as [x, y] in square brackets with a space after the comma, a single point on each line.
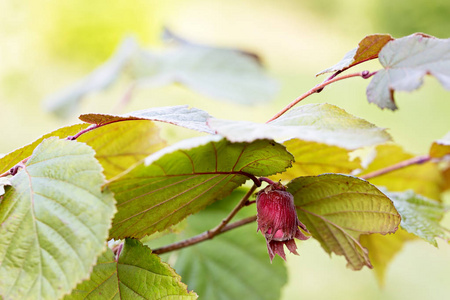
[269, 181]
[317, 89]
[202, 237]
[92, 127]
[400, 165]
[221, 228]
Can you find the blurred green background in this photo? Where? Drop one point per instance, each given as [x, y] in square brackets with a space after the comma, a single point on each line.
[47, 45]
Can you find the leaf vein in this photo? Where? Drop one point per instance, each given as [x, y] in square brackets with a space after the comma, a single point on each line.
[165, 201]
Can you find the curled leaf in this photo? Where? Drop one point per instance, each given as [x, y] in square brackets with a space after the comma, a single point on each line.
[368, 48]
[338, 209]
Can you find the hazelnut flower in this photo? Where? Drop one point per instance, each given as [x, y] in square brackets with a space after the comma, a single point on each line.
[278, 220]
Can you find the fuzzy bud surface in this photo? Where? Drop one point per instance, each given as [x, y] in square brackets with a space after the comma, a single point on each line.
[278, 220]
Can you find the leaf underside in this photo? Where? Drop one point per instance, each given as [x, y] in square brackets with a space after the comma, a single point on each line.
[181, 115]
[338, 209]
[406, 61]
[221, 73]
[420, 219]
[322, 123]
[421, 216]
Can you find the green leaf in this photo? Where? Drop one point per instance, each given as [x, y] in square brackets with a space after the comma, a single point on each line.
[184, 178]
[322, 123]
[55, 220]
[313, 158]
[119, 146]
[368, 48]
[406, 61]
[337, 209]
[182, 115]
[64, 103]
[137, 274]
[420, 215]
[224, 74]
[424, 179]
[383, 249]
[233, 265]
[441, 148]
[11, 159]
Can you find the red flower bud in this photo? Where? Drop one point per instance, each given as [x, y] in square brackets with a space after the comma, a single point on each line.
[278, 221]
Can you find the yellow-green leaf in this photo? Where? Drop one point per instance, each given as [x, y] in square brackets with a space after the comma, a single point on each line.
[118, 146]
[383, 248]
[313, 158]
[11, 159]
[420, 218]
[136, 274]
[424, 179]
[338, 209]
[446, 178]
[420, 215]
[441, 147]
[55, 220]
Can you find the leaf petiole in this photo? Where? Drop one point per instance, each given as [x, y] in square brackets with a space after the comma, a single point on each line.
[318, 88]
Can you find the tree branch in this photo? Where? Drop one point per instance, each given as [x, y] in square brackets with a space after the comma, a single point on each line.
[202, 237]
[230, 216]
[318, 88]
[219, 229]
[400, 165]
